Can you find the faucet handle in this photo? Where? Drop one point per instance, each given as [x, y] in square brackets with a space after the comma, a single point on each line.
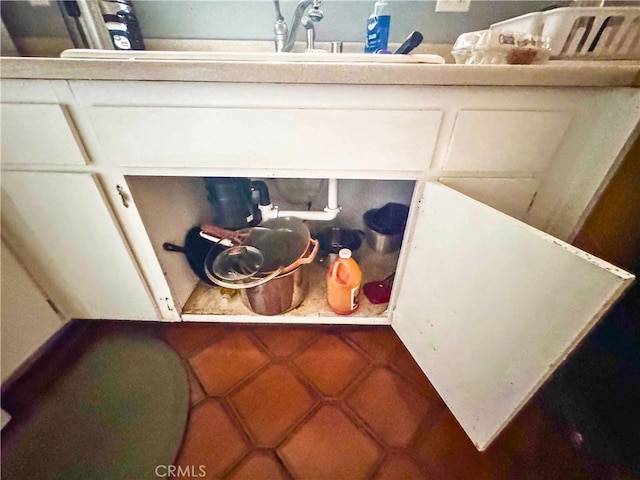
[281, 33]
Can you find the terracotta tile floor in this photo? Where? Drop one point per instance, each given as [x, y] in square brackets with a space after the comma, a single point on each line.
[319, 402]
[271, 402]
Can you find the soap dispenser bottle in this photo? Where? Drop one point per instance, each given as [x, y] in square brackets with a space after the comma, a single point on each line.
[378, 28]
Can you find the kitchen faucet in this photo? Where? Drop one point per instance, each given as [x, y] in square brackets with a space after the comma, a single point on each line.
[285, 38]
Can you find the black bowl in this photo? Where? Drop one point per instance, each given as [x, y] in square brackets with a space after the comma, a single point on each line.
[390, 219]
[333, 239]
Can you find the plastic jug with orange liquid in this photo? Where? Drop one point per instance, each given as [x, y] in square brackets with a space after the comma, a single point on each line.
[343, 283]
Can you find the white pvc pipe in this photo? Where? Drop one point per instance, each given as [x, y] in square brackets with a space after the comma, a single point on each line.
[329, 213]
[326, 215]
[332, 201]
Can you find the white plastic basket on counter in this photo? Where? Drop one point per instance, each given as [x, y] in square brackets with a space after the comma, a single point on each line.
[584, 33]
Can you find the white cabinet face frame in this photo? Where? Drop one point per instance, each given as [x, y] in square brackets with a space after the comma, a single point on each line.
[489, 306]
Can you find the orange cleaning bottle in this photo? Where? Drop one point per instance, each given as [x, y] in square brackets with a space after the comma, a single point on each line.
[343, 283]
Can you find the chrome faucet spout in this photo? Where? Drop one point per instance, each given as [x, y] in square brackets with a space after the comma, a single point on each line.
[284, 38]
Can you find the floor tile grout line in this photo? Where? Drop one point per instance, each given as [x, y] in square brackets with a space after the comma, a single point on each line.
[292, 432]
[299, 349]
[363, 428]
[317, 404]
[393, 367]
[252, 451]
[352, 343]
[300, 374]
[284, 467]
[361, 424]
[357, 381]
[240, 428]
[356, 384]
[426, 423]
[249, 377]
[310, 381]
[194, 351]
[285, 434]
[191, 372]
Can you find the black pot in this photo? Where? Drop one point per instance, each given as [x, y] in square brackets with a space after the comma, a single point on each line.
[195, 249]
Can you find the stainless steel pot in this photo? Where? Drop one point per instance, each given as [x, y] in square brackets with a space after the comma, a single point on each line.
[385, 227]
[279, 295]
[381, 242]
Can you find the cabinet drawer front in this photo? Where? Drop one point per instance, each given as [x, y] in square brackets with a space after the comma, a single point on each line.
[271, 138]
[505, 140]
[39, 134]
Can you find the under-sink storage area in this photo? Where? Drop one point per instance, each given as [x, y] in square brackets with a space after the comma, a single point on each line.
[171, 206]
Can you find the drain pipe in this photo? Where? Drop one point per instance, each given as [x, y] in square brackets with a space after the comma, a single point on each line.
[329, 213]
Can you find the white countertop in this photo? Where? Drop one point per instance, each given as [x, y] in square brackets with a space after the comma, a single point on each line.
[555, 73]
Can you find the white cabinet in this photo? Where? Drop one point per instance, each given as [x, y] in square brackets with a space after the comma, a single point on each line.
[489, 306]
[66, 237]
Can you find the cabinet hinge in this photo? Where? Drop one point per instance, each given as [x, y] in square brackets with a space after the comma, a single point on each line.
[123, 196]
[168, 303]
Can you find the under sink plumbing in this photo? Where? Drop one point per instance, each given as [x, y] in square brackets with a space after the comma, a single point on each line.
[304, 16]
[329, 213]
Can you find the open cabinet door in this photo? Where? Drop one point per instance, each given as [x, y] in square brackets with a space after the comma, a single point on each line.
[489, 306]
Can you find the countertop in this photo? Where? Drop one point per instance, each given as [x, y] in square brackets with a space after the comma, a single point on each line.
[553, 74]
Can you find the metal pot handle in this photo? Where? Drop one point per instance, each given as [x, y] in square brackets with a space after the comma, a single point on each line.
[311, 255]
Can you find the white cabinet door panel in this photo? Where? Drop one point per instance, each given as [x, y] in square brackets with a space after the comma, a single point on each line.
[505, 140]
[67, 237]
[489, 306]
[38, 134]
[267, 137]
